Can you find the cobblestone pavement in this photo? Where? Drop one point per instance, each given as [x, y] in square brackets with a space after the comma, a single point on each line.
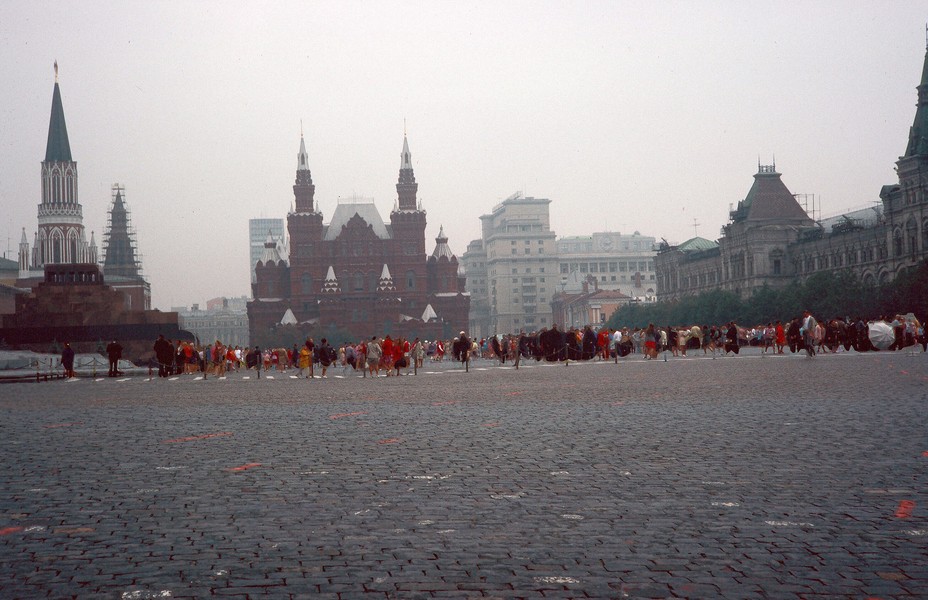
[747, 477]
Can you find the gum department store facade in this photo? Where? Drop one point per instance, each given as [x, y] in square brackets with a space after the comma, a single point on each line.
[770, 240]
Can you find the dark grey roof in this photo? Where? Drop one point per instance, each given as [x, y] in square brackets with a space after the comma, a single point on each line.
[58, 148]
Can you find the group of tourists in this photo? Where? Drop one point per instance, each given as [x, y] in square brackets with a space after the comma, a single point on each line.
[801, 334]
[390, 356]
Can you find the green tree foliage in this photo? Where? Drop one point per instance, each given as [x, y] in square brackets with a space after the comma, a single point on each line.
[828, 295]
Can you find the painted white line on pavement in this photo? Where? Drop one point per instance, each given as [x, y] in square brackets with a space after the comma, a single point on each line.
[556, 580]
[788, 524]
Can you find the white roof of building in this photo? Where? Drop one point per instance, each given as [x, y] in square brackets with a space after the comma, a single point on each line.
[429, 313]
[364, 209]
[441, 245]
[289, 318]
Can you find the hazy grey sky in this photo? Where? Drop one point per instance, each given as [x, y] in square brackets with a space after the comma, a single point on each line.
[627, 117]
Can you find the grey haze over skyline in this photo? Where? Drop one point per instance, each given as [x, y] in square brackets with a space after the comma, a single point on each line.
[627, 117]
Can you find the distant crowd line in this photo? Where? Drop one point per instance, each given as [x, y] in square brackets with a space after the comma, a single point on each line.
[389, 356]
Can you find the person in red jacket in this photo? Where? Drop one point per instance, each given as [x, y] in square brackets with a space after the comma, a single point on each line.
[387, 360]
[602, 342]
[399, 357]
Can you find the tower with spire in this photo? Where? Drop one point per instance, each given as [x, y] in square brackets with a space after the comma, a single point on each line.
[122, 265]
[120, 250]
[906, 236]
[408, 221]
[60, 238]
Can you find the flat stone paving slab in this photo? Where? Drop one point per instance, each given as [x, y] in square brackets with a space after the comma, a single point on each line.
[747, 477]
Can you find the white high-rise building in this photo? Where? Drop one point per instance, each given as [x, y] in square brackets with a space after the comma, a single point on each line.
[258, 231]
[521, 268]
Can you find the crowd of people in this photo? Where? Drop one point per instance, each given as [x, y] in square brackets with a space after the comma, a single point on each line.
[388, 356]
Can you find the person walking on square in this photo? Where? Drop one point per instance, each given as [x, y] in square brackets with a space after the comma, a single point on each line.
[305, 360]
[731, 338]
[780, 337]
[67, 360]
[164, 353]
[651, 337]
[114, 353]
[809, 325]
[326, 355]
[374, 352]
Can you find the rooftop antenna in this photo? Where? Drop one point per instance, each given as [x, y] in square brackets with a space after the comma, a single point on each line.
[695, 228]
[56, 70]
[301, 127]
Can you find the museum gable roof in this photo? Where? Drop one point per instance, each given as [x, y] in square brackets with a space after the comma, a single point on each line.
[366, 210]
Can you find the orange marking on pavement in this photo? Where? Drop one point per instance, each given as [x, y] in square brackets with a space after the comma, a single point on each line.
[491, 424]
[515, 393]
[905, 509]
[619, 403]
[244, 467]
[925, 453]
[70, 530]
[193, 438]
[904, 372]
[64, 425]
[342, 415]
[9, 530]
[390, 441]
[445, 403]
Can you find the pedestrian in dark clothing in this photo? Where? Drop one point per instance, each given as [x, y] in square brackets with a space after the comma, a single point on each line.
[164, 353]
[67, 360]
[114, 352]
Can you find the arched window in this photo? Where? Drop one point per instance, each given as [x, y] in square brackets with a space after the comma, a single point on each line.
[410, 280]
[358, 283]
[776, 262]
[306, 283]
[897, 242]
[911, 234]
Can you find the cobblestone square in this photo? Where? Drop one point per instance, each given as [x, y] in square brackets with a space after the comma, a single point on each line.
[742, 477]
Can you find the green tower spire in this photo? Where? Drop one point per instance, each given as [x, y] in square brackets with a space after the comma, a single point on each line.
[58, 147]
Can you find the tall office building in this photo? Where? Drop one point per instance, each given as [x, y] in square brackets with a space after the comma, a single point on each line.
[521, 267]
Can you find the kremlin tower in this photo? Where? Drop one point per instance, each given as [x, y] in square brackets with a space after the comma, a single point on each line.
[60, 238]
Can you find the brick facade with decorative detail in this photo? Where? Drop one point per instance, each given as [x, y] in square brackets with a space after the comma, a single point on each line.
[356, 272]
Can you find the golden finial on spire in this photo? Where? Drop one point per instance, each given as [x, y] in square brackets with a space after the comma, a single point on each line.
[301, 127]
[56, 70]
[404, 120]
